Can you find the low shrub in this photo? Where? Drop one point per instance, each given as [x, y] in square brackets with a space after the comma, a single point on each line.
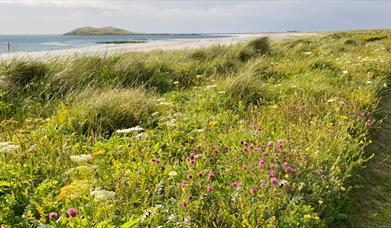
[260, 45]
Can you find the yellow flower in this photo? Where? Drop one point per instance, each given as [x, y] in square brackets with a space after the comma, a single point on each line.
[344, 117]
[213, 123]
[316, 218]
[99, 152]
[307, 216]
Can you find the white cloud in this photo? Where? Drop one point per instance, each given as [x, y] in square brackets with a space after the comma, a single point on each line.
[103, 4]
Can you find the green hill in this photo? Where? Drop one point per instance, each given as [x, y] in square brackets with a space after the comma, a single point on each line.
[98, 31]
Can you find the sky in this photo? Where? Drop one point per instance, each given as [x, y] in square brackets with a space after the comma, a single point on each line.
[202, 16]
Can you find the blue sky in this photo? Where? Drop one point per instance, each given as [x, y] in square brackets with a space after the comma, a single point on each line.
[164, 16]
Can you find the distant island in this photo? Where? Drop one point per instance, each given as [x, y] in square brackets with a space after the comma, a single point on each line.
[91, 31]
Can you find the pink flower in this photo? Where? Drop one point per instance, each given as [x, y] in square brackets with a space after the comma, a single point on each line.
[273, 181]
[190, 197]
[192, 162]
[235, 184]
[245, 150]
[290, 170]
[184, 203]
[285, 184]
[210, 188]
[189, 176]
[241, 142]
[198, 156]
[183, 185]
[211, 175]
[72, 212]
[253, 191]
[200, 174]
[191, 156]
[270, 144]
[263, 184]
[244, 167]
[261, 164]
[53, 216]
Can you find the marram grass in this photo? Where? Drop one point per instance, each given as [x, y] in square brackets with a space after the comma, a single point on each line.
[251, 135]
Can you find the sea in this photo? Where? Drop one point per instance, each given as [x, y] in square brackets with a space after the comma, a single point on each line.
[33, 43]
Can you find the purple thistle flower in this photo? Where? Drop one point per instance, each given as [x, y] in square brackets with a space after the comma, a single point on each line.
[53, 216]
[253, 191]
[210, 188]
[184, 203]
[211, 175]
[72, 212]
[274, 181]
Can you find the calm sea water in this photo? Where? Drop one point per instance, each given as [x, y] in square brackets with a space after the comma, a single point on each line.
[31, 43]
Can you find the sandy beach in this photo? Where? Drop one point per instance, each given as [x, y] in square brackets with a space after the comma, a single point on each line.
[112, 49]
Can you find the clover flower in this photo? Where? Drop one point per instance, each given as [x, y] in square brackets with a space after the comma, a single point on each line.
[211, 175]
[290, 170]
[261, 164]
[72, 212]
[253, 191]
[200, 174]
[184, 203]
[189, 176]
[210, 188]
[53, 216]
[270, 144]
[235, 184]
[274, 181]
[190, 197]
[183, 185]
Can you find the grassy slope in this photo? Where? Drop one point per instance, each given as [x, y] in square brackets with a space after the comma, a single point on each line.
[316, 94]
[371, 205]
[99, 31]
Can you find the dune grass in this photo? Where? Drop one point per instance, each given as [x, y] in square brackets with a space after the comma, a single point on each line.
[260, 134]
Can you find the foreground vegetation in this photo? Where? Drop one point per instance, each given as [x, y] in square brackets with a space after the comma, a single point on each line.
[257, 134]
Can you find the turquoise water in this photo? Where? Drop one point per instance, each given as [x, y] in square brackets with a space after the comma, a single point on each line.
[31, 43]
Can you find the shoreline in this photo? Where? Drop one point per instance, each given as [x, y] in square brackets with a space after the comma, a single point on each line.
[162, 45]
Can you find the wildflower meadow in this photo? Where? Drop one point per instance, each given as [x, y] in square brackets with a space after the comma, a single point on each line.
[260, 134]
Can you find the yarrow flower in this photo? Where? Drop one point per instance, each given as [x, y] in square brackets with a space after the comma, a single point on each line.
[8, 147]
[72, 212]
[274, 181]
[128, 130]
[210, 188]
[101, 195]
[53, 216]
[82, 158]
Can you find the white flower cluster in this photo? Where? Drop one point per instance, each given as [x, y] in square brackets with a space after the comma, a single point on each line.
[8, 147]
[82, 158]
[128, 130]
[101, 195]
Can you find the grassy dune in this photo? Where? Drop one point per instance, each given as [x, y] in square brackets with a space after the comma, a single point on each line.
[257, 134]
